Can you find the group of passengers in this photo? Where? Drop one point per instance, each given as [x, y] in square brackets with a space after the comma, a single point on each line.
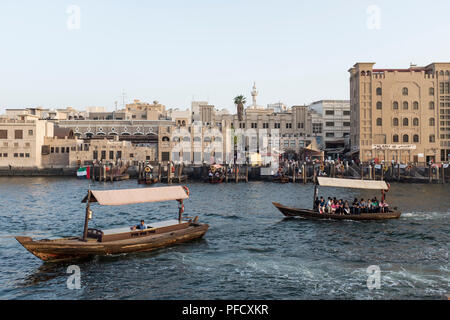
[341, 207]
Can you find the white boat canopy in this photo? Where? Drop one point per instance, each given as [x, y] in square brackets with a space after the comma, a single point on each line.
[141, 195]
[351, 183]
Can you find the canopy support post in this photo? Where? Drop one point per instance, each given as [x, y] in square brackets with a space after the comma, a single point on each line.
[316, 188]
[180, 211]
[86, 219]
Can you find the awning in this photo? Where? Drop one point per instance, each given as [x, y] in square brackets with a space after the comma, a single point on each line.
[141, 195]
[350, 183]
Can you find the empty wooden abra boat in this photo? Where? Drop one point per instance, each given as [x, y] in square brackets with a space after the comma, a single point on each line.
[121, 240]
[343, 183]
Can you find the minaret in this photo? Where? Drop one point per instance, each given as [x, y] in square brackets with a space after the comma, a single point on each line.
[254, 94]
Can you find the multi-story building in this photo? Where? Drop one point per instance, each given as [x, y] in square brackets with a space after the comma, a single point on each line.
[21, 141]
[400, 114]
[331, 121]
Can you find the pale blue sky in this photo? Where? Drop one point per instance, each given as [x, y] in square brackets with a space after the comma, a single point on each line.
[171, 51]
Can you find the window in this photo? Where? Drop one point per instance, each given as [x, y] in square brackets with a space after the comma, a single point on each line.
[22, 155]
[431, 91]
[405, 105]
[415, 105]
[346, 124]
[416, 122]
[379, 91]
[416, 138]
[18, 134]
[405, 91]
[346, 113]
[265, 125]
[432, 138]
[165, 156]
[147, 158]
[329, 112]
[395, 138]
[62, 149]
[299, 125]
[405, 138]
[119, 155]
[254, 125]
[132, 155]
[329, 124]
[3, 134]
[5, 155]
[330, 134]
[52, 150]
[277, 125]
[30, 132]
[379, 121]
[165, 139]
[288, 125]
[431, 105]
[16, 155]
[379, 105]
[103, 155]
[405, 122]
[56, 149]
[67, 150]
[395, 122]
[395, 105]
[432, 122]
[111, 155]
[95, 155]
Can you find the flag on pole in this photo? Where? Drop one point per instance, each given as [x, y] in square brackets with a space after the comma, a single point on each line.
[83, 172]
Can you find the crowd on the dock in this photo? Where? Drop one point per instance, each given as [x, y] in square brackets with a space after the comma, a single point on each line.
[335, 206]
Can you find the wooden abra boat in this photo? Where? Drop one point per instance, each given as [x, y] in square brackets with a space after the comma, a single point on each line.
[313, 214]
[344, 183]
[121, 240]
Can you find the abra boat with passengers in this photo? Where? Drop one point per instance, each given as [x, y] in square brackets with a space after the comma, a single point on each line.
[342, 183]
[121, 240]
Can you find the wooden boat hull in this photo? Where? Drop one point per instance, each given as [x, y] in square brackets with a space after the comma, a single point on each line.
[215, 180]
[311, 214]
[74, 248]
[148, 181]
[281, 179]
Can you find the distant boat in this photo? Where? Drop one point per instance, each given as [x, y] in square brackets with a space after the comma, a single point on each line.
[342, 183]
[126, 239]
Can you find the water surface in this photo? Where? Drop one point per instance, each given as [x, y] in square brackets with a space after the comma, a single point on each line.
[249, 252]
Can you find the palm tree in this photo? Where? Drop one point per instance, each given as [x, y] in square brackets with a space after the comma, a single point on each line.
[239, 101]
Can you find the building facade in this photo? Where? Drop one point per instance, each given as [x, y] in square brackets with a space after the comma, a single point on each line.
[21, 141]
[400, 114]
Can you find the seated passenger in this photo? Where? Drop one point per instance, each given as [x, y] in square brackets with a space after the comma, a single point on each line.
[141, 226]
[346, 208]
[384, 207]
[363, 206]
[322, 205]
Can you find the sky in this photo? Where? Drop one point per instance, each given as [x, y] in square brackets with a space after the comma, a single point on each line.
[78, 53]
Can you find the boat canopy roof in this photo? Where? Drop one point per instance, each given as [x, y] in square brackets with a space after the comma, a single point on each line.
[141, 195]
[351, 183]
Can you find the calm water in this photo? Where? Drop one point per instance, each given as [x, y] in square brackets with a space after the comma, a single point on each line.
[249, 252]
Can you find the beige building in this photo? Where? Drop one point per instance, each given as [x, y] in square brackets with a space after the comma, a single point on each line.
[400, 114]
[111, 151]
[21, 141]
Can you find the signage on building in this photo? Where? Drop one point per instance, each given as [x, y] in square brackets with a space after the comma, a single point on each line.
[393, 147]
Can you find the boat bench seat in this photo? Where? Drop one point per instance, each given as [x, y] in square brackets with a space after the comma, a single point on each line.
[160, 224]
